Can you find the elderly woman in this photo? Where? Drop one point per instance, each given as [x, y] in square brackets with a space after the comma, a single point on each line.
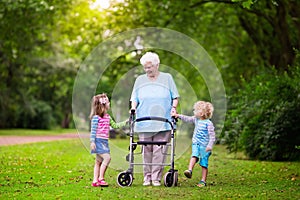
[153, 94]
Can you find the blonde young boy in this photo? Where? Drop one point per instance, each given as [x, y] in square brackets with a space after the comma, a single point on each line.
[203, 138]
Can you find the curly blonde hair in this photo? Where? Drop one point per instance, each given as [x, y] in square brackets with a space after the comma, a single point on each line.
[203, 110]
[99, 105]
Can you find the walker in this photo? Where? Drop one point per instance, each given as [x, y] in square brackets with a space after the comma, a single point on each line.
[125, 178]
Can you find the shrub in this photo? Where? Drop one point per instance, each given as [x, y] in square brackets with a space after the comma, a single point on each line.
[36, 115]
[264, 118]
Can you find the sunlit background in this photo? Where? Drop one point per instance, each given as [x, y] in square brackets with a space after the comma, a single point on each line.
[254, 44]
[102, 4]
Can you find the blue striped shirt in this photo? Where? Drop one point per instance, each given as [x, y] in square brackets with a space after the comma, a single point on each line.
[204, 131]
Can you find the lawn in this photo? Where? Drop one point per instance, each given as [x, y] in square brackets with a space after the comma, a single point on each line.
[63, 170]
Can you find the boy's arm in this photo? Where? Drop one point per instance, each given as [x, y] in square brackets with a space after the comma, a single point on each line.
[115, 125]
[185, 118]
[212, 136]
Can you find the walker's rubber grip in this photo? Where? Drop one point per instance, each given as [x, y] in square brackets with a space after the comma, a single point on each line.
[152, 118]
[151, 143]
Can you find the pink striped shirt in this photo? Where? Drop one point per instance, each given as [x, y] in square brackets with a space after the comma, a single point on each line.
[100, 126]
[103, 127]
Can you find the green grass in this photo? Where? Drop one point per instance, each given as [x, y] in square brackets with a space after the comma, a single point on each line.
[25, 132]
[63, 170]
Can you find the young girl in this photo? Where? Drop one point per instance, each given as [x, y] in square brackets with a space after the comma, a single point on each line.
[203, 138]
[100, 125]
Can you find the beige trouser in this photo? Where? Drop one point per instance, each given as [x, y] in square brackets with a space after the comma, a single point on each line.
[154, 154]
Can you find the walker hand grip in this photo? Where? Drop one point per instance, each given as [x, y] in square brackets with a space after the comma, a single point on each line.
[132, 111]
[155, 119]
[174, 119]
[152, 118]
[132, 115]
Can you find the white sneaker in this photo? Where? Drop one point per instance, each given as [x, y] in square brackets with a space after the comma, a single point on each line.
[146, 183]
[156, 183]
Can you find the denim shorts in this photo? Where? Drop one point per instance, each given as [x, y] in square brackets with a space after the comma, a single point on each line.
[101, 146]
[200, 153]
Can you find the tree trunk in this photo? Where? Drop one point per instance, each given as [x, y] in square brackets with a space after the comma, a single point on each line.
[66, 121]
[275, 30]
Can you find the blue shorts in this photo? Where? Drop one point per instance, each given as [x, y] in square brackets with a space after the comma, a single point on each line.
[101, 146]
[200, 153]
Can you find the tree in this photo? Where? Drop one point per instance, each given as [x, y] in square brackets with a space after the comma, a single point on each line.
[273, 27]
[268, 29]
[25, 27]
[43, 42]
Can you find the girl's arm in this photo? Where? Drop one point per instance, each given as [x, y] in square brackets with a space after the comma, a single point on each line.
[212, 136]
[94, 124]
[115, 125]
[185, 118]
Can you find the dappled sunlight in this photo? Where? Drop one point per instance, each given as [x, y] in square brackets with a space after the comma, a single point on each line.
[102, 4]
[99, 4]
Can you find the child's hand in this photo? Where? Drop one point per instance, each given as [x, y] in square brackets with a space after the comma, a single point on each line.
[174, 114]
[208, 149]
[173, 111]
[93, 146]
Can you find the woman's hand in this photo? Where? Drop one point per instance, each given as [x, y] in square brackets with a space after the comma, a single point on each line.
[173, 112]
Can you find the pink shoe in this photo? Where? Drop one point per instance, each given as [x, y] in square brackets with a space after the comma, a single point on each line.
[96, 184]
[102, 183]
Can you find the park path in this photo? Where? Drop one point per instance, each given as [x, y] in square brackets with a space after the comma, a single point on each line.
[13, 140]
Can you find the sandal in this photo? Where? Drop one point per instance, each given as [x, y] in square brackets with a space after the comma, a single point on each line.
[188, 173]
[96, 184]
[201, 184]
[102, 183]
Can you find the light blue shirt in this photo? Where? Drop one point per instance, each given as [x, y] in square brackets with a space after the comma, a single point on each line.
[154, 98]
[203, 132]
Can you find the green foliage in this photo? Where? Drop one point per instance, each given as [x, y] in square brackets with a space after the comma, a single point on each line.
[25, 42]
[266, 18]
[36, 114]
[42, 43]
[264, 117]
[245, 3]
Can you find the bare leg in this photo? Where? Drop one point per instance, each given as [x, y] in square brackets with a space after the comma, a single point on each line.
[103, 166]
[96, 171]
[193, 161]
[188, 173]
[102, 171]
[204, 174]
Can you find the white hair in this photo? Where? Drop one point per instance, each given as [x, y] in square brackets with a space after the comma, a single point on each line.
[150, 57]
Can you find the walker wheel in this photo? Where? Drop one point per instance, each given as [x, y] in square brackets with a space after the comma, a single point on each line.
[124, 179]
[175, 178]
[171, 179]
[168, 179]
